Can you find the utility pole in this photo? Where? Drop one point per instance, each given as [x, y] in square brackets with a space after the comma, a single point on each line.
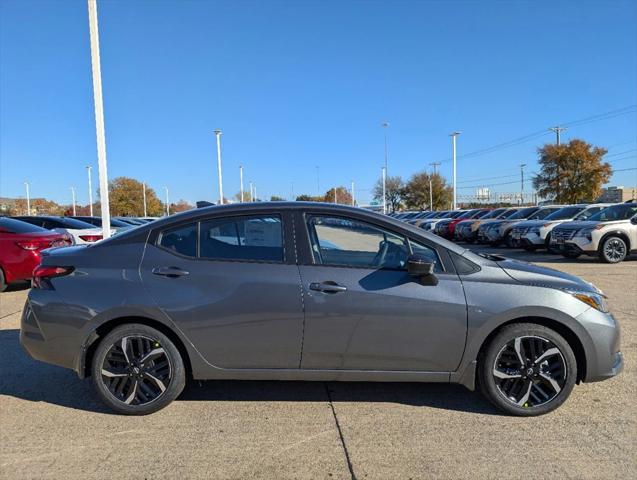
[167, 202]
[73, 195]
[90, 191]
[218, 135]
[557, 130]
[241, 181]
[385, 125]
[144, 196]
[384, 190]
[435, 165]
[99, 117]
[522, 165]
[453, 143]
[26, 185]
[353, 198]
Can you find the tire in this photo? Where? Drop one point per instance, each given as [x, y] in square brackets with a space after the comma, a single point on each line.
[135, 386]
[508, 241]
[3, 284]
[613, 250]
[571, 255]
[550, 381]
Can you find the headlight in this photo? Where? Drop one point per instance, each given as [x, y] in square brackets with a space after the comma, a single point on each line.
[595, 300]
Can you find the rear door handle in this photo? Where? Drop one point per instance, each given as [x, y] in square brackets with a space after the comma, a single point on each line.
[170, 272]
[328, 287]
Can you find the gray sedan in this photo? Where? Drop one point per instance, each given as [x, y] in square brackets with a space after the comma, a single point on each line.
[308, 291]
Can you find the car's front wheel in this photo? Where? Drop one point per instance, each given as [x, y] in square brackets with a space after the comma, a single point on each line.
[527, 370]
[613, 250]
[137, 370]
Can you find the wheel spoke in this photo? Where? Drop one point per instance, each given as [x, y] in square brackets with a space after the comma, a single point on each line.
[109, 374]
[125, 348]
[153, 353]
[131, 397]
[525, 397]
[519, 350]
[157, 381]
[550, 352]
[503, 375]
[552, 382]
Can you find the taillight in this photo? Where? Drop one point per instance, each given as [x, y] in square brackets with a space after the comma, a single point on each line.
[33, 245]
[43, 273]
[91, 238]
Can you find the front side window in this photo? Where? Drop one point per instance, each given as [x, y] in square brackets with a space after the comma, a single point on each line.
[348, 242]
[256, 238]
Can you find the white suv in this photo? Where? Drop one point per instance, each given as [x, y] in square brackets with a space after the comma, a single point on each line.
[610, 234]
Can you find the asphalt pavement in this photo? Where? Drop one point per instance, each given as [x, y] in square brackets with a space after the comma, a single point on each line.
[52, 426]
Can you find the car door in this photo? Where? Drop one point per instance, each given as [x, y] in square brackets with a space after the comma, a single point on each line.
[363, 311]
[231, 284]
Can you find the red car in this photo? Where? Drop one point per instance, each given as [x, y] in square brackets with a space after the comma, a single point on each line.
[21, 245]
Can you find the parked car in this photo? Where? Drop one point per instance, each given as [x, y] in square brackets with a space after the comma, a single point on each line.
[499, 231]
[447, 228]
[130, 220]
[423, 218]
[467, 230]
[311, 291]
[79, 231]
[610, 235]
[117, 226]
[21, 246]
[485, 226]
[430, 223]
[534, 234]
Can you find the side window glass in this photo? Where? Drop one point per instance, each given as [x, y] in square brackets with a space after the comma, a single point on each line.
[427, 252]
[340, 241]
[257, 238]
[182, 240]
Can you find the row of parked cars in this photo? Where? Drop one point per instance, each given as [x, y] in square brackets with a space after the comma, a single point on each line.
[603, 230]
[23, 238]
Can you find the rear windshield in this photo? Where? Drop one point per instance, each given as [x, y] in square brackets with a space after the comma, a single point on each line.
[565, 213]
[73, 223]
[11, 225]
[616, 212]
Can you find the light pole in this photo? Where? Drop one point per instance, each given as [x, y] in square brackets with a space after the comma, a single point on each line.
[218, 135]
[26, 185]
[385, 125]
[90, 191]
[167, 202]
[353, 197]
[384, 170]
[251, 193]
[241, 181]
[431, 193]
[256, 199]
[522, 165]
[144, 196]
[73, 195]
[99, 117]
[453, 143]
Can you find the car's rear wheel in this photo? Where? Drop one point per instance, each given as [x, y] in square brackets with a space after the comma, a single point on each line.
[137, 370]
[613, 250]
[527, 370]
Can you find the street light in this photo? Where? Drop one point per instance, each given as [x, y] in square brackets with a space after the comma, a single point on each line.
[251, 193]
[218, 135]
[241, 181]
[99, 117]
[26, 185]
[90, 191]
[167, 202]
[144, 196]
[384, 169]
[73, 195]
[385, 125]
[453, 143]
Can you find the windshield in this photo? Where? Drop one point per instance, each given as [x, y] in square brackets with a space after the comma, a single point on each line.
[456, 214]
[565, 213]
[542, 213]
[616, 212]
[508, 213]
[524, 213]
[10, 225]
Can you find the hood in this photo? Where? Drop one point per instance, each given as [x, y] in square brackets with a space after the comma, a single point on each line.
[530, 274]
[532, 223]
[578, 224]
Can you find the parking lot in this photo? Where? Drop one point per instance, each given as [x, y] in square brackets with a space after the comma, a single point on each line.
[52, 426]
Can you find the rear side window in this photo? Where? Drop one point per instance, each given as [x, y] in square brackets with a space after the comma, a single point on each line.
[256, 238]
[11, 225]
[181, 240]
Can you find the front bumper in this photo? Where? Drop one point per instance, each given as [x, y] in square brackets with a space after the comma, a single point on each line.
[603, 355]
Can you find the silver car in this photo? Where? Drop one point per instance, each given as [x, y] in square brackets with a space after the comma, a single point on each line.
[307, 291]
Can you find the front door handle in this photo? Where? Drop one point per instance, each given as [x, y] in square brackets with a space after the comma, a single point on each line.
[328, 287]
[170, 272]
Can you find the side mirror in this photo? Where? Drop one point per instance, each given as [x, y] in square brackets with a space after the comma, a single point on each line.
[422, 268]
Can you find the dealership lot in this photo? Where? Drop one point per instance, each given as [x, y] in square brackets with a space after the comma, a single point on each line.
[52, 426]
